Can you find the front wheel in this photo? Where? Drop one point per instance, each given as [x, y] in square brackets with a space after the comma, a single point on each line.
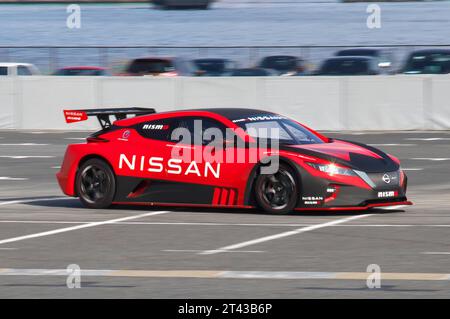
[95, 184]
[277, 193]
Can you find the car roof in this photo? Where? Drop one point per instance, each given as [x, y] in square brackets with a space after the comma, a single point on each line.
[234, 113]
[8, 64]
[431, 51]
[83, 67]
[228, 113]
[352, 57]
[161, 58]
[210, 59]
[360, 49]
[280, 56]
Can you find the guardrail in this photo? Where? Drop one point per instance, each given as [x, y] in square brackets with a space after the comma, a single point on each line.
[399, 102]
[49, 58]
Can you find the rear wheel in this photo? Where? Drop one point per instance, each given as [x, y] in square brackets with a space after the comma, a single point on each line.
[95, 184]
[277, 193]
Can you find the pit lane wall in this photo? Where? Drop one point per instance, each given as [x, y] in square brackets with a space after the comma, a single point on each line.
[400, 102]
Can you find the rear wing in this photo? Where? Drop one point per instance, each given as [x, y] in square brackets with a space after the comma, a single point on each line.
[103, 115]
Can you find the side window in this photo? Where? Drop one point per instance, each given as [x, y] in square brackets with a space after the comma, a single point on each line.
[3, 70]
[197, 126]
[23, 70]
[299, 134]
[157, 130]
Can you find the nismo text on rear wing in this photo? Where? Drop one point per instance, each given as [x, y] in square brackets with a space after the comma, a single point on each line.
[103, 115]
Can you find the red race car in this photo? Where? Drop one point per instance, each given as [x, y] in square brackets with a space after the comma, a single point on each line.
[224, 157]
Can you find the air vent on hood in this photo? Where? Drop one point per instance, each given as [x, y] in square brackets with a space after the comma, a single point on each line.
[371, 164]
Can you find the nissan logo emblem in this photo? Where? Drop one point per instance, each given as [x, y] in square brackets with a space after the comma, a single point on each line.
[386, 178]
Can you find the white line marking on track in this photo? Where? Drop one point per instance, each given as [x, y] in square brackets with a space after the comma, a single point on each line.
[68, 229]
[25, 156]
[56, 167]
[281, 235]
[22, 144]
[7, 178]
[75, 138]
[154, 223]
[392, 144]
[436, 253]
[31, 200]
[226, 274]
[197, 251]
[49, 222]
[6, 248]
[429, 139]
[412, 169]
[437, 159]
[357, 133]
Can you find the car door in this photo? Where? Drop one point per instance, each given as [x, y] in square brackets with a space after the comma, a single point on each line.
[145, 171]
[217, 158]
[189, 147]
[168, 164]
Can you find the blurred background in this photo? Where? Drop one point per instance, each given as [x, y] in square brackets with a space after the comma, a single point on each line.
[369, 59]
[300, 36]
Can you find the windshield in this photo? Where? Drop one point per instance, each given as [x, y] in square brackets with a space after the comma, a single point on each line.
[277, 127]
[280, 63]
[150, 66]
[80, 72]
[250, 72]
[431, 63]
[358, 52]
[345, 67]
[213, 66]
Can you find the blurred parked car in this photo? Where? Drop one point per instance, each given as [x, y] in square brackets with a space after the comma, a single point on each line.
[160, 67]
[14, 69]
[214, 67]
[383, 57]
[180, 4]
[252, 72]
[431, 61]
[349, 65]
[82, 71]
[283, 64]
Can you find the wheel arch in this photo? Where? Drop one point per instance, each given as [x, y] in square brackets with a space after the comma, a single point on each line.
[249, 194]
[83, 160]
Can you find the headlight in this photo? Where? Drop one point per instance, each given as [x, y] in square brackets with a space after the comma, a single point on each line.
[332, 169]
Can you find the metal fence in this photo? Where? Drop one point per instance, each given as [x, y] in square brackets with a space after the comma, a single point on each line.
[49, 58]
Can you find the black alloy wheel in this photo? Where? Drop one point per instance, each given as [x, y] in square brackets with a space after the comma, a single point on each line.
[95, 184]
[277, 193]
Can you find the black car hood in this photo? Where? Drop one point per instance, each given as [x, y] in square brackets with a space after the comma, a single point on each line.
[354, 155]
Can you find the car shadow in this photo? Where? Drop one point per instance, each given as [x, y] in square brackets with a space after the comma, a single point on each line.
[74, 203]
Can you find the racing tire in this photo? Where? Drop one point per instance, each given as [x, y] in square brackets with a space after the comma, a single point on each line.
[95, 184]
[277, 193]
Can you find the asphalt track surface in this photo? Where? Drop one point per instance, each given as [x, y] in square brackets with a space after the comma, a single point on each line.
[160, 252]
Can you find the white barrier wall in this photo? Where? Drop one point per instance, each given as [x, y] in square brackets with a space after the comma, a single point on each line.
[401, 102]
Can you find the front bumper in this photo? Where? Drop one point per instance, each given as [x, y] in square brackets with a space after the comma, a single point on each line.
[328, 193]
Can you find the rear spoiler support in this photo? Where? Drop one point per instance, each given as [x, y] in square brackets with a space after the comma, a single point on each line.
[104, 115]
